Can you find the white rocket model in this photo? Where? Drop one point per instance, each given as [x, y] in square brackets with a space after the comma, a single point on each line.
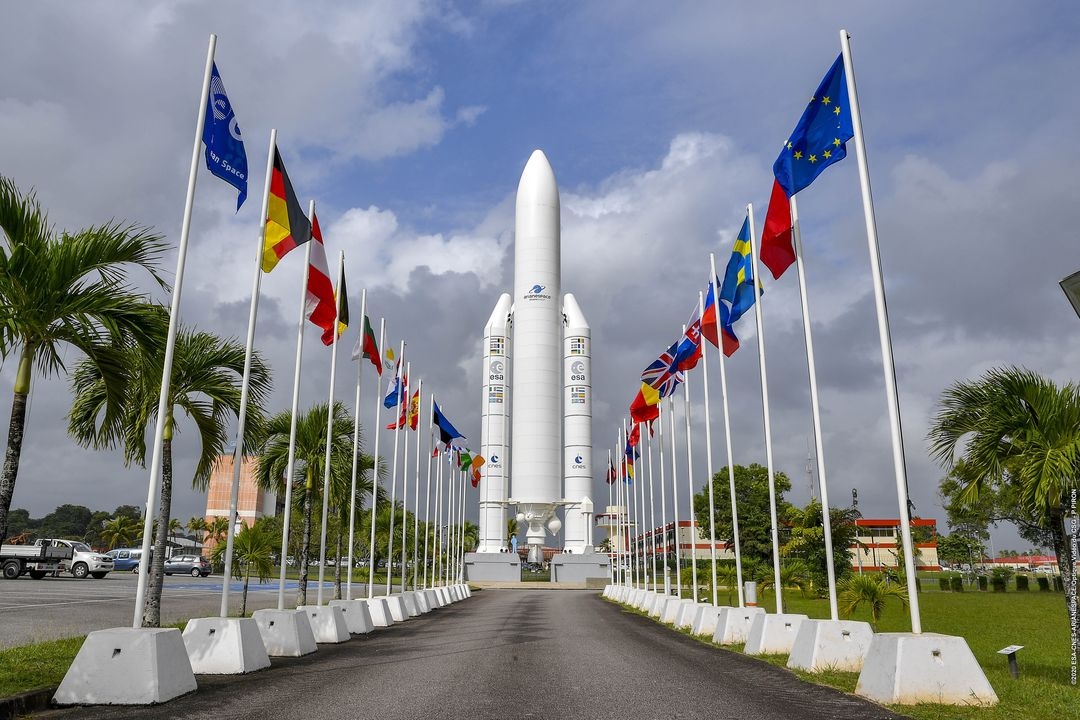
[550, 392]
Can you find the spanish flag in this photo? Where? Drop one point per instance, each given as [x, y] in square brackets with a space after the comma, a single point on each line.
[286, 225]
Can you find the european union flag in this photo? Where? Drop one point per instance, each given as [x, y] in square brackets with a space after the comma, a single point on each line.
[225, 155]
[819, 139]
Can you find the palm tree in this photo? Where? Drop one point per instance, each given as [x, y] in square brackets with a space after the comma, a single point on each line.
[252, 549]
[62, 289]
[207, 373]
[307, 474]
[871, 591]
[1020, 435]
[511, 532]
[197, 527]
[217, 529]
[175, 526]
[121, 531]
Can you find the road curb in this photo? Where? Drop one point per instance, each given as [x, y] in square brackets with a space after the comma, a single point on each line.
[30, 701]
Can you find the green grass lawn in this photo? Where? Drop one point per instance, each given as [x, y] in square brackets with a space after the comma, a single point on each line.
[989, 621]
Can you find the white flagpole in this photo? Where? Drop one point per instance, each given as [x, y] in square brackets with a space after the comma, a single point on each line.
[170, 346]
[631, 545]
[611, 545]
[628, 571]
[249, 350]
[416, 484]
[290, 466]
[884, 335]
[690, 482]
[663, 492]
[437, 543]
[460, 572]
[647, 439]
[375, 466]
[356, 447]
[329, 435]
[727, 437]
[708, 446]
[449, 550]
[765, 415]
[427, 489]
[642, 517]
[675, 493]
[393, 468]
[405, 481]
[826, 519]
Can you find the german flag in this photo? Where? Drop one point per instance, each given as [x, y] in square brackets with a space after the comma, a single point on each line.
[286, 225]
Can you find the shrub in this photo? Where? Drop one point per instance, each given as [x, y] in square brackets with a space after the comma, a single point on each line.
[1022, 583]
[1044, 583]
[956, 583]
[998, 583]
[943, 584]
[982, 582]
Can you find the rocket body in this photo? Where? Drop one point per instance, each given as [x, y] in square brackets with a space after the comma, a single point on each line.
[577, 426]
[494, 429]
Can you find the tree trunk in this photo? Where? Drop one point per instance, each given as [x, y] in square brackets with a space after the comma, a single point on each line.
[152, 603]
[15, 435]
[337, 568]
[305, 547]
[243, 596]
[1067, 566]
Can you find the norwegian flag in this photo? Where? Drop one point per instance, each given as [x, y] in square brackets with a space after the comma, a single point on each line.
[663, 374]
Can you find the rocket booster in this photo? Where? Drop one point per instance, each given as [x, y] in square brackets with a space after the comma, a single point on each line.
[577, 426]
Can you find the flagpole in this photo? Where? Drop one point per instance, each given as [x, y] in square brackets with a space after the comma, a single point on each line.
[708, 450]
[356, 447]
[451, 535]
[826, 519]
[249, 349]
[416, 482]
[329, 433]
[643, 551]
[675, 492]
[765, 415]
[405, 476]
[393, 470]
[290, 466]
[652, 502]
[375, 466]
[628, 570]
[170, 346]
[427, 489]
[727, 438]
[460, 570]
[690, 481]
[884, 336]
[436, 545]
[611, 545]
[663, 493]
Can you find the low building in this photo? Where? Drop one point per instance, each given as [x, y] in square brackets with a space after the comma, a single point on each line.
[878, 543]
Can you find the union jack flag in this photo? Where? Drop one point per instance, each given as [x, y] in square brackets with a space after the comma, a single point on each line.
[663, 374]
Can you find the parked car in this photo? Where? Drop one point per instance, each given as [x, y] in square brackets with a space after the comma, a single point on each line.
[126, 559]
[84, 560]
[193, 565]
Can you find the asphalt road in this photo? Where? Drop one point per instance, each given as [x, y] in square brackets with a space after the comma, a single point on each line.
[52, 608]
[511, 654]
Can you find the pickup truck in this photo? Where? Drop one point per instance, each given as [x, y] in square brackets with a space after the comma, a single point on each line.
[82, 560]
[37, 560]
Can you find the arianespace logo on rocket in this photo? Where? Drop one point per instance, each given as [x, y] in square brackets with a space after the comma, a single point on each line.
[536, 292]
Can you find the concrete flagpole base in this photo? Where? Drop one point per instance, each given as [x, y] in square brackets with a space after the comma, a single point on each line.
[773, 634]
[421, 602]
[433, 599]
[327, 623]
[673, 609]
[620, 593]
[444, 595]
[733, 624]
[646, 601]
[466, 589]
[357, 615]
[906, 669]
[687, 613]
[397, 608]
[380, 612]
[411, 606]
[225, 646]
[705, 620]
[152, 663]
[607, 591]
[285, 633]
[658, 605]
[830, 645]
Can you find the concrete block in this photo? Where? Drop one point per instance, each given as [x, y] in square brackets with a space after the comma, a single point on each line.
[468, 590]
[733, 624]
[705, 620]
[830, 645]
[657, 610]
[422, 602]
[646, 601]
[327, 623]
[773, 634]
[380, 612]
[433, 599]
[906, 669]
[444, 595]
[672, 610]
[285, 633]
[579, 568]
[687, 613]
[504, 567]
[607, 591]
[411, 606]
[225, 646]
[153, 663]
[398, 611]
[357, 615]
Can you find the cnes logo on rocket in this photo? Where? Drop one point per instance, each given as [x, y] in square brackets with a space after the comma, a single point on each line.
[536, 292]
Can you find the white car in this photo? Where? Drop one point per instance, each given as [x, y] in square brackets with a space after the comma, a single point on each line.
[84, 560]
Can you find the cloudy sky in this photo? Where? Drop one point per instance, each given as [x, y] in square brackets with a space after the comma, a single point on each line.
[409, 123]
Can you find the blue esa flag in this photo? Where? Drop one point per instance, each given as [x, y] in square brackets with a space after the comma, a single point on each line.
[225, 156]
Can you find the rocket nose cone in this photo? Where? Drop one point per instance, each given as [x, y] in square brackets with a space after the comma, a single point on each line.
[538, 183]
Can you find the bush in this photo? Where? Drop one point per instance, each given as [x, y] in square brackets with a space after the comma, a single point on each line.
[998, 583]
[956, 583]
[982, 583]
[1022, 583]
[1044, 584]
[943, 584]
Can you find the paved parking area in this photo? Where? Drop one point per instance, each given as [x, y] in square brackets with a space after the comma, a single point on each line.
[52, 608]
